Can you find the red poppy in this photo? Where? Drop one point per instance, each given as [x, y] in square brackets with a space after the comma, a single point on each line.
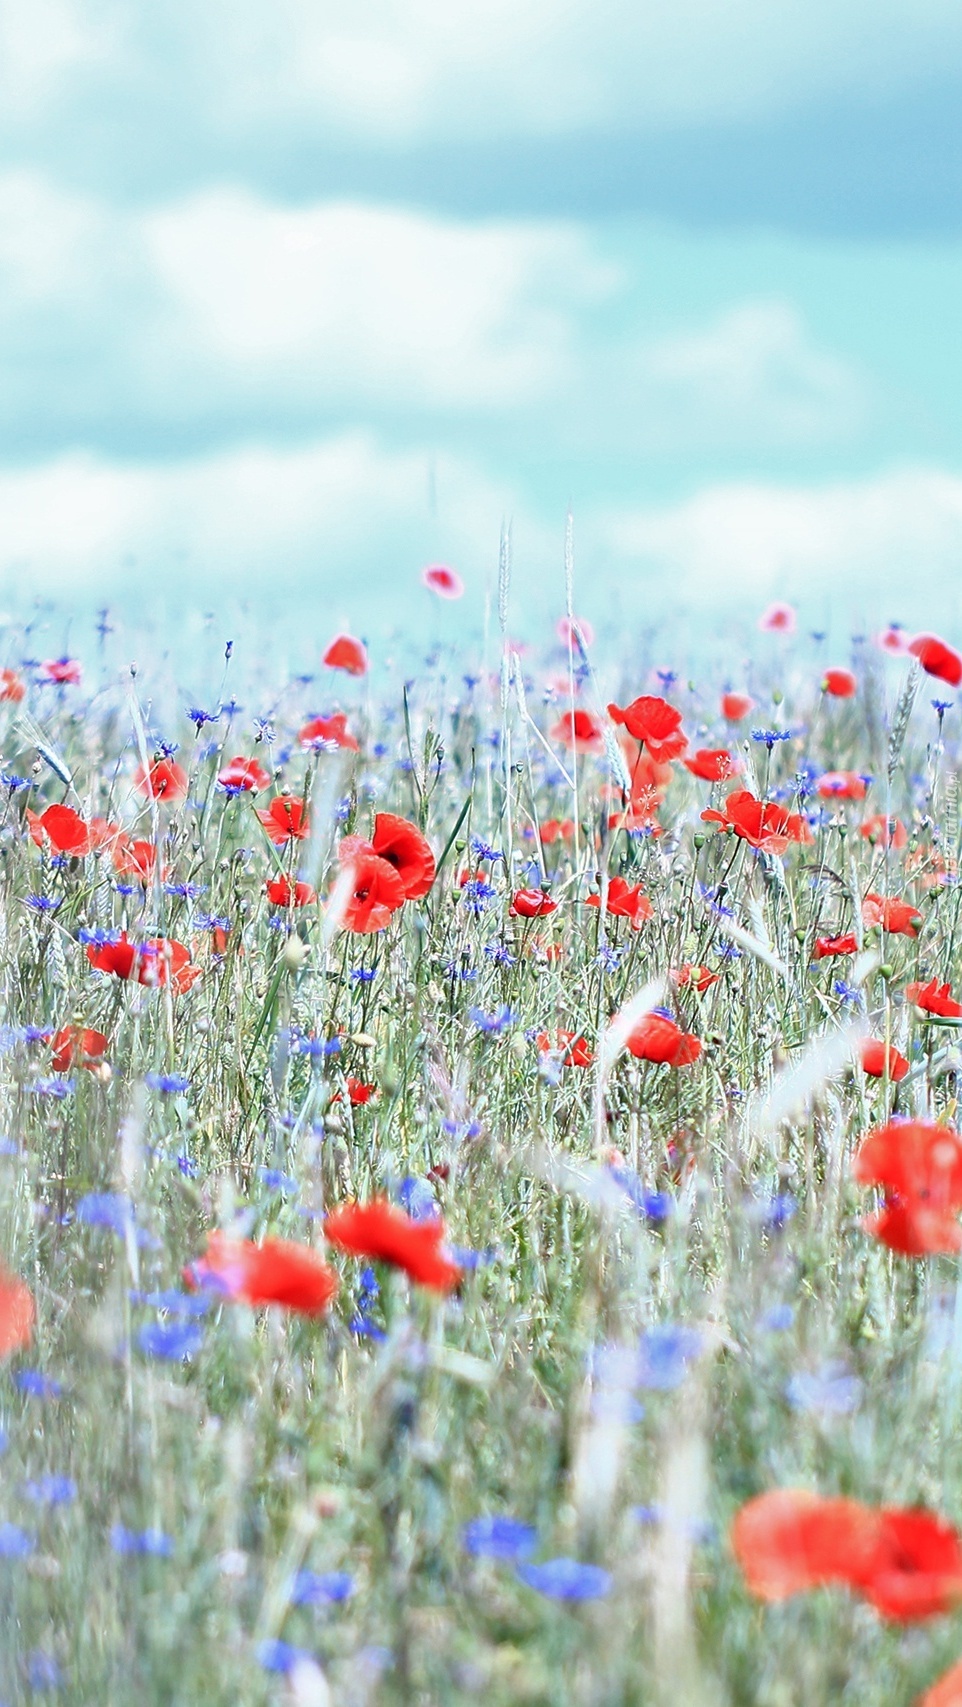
[712, 764]
[63, 828]
[778, 619]
[841, 684]
[888, 832]
[896, 917]
[333, 730]
[570, 1045]
[735, 706]
[135, 859]
[156, 962]
[17, 1313]
[916, 1568]
[377, 892]
[578, 729]
[77, 1046]
[346, 653]
[790, 1540]
[382, 1233]
[403, 846]
[447, 583]
[826, 946]
[246, 774]
[659, 1038]
[625, 901]
[531, 904]
[65, 671]
[690, 976]
[893, 639]
[914, 1161]
[934, 998]
[566, 628]
[282, 893]
[556, 830]
[11, 687]
[912, 1229]
[841, 785]
[946, 1692]
[937, 659]
[358, 1092]
[279, 1271]
[655, 722]
[765, 826]
[284, 819]
[103, 834]
[878, 1059]
[165, 779]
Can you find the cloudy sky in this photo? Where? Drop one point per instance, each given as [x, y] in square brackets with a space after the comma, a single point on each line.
[296, 298]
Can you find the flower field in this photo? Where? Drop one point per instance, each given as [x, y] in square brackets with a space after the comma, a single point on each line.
[479, 1182]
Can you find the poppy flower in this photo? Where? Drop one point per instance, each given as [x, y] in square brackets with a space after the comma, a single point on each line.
[578, 729]
[63, 828]
[279, 1271]
[690, 976]
[64, 671]
[165, 779]
[825, 946]
[888, 832]
[735, 706]
[331, 729]
[531, 904]
[565, 628]
[346, 653]
[656, 723]
[402, 845]
[77, 1046]
[946, 1692]
[17, 1313]
[625, 901]
[768, 827]
[934, 998]
[377, 892]
[916, 1568]
[381, 1233]
[358, 1092]
[937, 659]
[156, 962]
[913, 1161]
[841, 785]
[896, 917]
[778, 619]
[841, 684]
[712, 764]
[12, 689]
[912, 1229]
[790, 1540]
[135, 859]
[659, 1038]
[570, 1045]
[244, 774]
[284, 819]
[556, 830]
[878, 1059]
[282, 893]
[438, 578]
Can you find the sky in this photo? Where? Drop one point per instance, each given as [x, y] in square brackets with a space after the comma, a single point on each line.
[295, 299]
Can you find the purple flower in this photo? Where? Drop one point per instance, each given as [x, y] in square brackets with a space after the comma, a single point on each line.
[106, 1209]
[169, 1084]
[664, 1354]
[147, 1543]
[491, 1025]
[36, 1385]
[15, 1543]
[321, 1588]
[566, 1579]
[831, 1391]
[173, 1341]
[280, 1656]
[50, 1490]
[498, 1538]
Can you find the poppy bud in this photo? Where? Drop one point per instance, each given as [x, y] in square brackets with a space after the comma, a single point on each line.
[698, 839]
[885, 970]
[800, 934]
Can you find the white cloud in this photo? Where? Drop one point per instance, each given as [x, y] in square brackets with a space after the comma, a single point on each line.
[407, 69]
[892, 540]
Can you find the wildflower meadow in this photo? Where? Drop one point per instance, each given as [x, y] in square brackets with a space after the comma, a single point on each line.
[479, 1182]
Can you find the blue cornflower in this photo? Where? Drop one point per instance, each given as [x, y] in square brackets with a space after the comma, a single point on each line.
[187, 1166]
[186, 891]
[492, 1025]
[105, 1209]
[655, 1206]
[770, 736]
[498, 1538]
[316, 1047]
[15, 1543]
[667, 678]
[942, 706]
[664, 1354]
[320, 1588]
[280, 1656]
[476, 894]
[96, 936]
[198, 717]
[173, 1341]
[12, 782]
[57, 1088]
[778, 1211]
[847, 992]
[50, 1490]
[43, 1671]
[417, 1198]
[496, 952]
[566, 1579]
[363, 974]
[831, 1391]
[168, 748]
[43, 903]
[148, 1543]
[275, 1180]
[36, 1385]
[468, 1259]
[460, 974]
[169, 1084]
[608, 958]
[777, 1320]
[37, 1033]
[211, 922]
[481, 850]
